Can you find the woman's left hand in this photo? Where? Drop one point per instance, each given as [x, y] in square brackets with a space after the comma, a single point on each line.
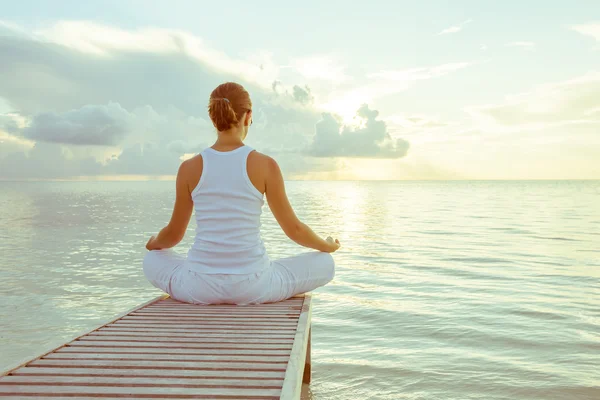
[151, 245]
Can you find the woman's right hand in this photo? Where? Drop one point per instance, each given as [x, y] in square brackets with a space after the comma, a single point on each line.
[334, 244]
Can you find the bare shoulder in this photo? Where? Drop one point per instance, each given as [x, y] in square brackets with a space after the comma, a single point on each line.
[264, 162]
[260, 169]
[191, 165]
[257, 156]
[191, 170]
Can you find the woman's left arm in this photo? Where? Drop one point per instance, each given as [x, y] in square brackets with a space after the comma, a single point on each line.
[174, 232]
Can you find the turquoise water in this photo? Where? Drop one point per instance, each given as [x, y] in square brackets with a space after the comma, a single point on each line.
[444, 290]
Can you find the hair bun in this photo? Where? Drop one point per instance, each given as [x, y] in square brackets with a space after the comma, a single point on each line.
[227, 113]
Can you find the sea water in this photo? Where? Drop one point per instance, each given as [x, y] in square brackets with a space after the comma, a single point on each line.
[443, 290]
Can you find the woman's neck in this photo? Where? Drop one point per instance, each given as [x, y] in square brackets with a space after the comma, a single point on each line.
[228, 141]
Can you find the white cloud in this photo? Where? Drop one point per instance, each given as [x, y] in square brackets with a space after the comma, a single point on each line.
[570, 102]
[590, 29]
[455, 28]
[321, 67]
[381, 83]
[89, 125]
[416, 74]
[140, 94]
[551, 131]
[10, 144]
[106, 41]
[370, 140]
[415, 121]
[522, 44]
[303, 95]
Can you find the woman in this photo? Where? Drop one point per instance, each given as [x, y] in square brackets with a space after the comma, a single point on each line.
[225, 185]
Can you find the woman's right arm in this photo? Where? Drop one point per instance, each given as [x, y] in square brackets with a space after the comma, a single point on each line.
[286, 217]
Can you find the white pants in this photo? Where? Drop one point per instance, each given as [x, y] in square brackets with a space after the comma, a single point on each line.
[285, 278]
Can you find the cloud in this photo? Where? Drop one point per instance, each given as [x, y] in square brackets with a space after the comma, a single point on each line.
[105, 41]
[455, 28]
[144, 159]
[303, 95]
[87, 89]
[98, 100]
[46, 161]
[89, 125]
[416, 74]
[180, 147]
[13, 144]
[590, 29]
[415, 121]
[371, 140]
[384, 83]
[321, 68]
[522, 44]
[8, 124]
[277, 87]
[549, 132]
[570, 102]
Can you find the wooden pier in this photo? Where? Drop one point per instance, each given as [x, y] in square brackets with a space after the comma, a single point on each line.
[165, 349]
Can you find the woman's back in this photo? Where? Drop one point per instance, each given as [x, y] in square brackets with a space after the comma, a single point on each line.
[228, 208]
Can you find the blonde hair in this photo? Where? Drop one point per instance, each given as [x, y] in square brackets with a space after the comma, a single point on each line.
[227, 104]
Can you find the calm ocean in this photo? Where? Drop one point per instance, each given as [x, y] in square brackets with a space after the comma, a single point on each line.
[444, 290]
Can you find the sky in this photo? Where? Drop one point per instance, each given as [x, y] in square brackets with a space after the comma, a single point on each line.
[380, 90]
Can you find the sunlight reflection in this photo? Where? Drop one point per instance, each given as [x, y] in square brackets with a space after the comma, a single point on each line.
[350, 199]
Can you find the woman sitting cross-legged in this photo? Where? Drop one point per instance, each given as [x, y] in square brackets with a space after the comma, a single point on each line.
[225, 185]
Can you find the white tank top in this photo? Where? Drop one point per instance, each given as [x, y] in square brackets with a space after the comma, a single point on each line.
[228, 209]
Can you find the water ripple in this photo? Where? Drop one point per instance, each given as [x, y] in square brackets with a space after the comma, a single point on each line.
[444, 290]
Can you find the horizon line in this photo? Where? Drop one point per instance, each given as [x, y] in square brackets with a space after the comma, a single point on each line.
[142, 178]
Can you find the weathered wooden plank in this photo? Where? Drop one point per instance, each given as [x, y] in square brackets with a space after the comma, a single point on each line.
[230, 332]
[171, 302]
[199, 329]
[270, 307]
[163, 345]
[117, 364]
[200, 358]
[137, 397]
[259, 308]
[216, 316]
[143, 381]
[121, 340]
[292, 384]
[200, 326]
[151, 373]
[306, 378]
[91, 350]
[54, 396]
[219, 319]
[228, 314]
[204, 321]
[235, 337]
[291, 308]
[281, 310]
[139, 339]
[275, 319]
[205, 344]
[212, 340]
[164, 392]
[292, 302]
[199, 314]
[276, 306]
